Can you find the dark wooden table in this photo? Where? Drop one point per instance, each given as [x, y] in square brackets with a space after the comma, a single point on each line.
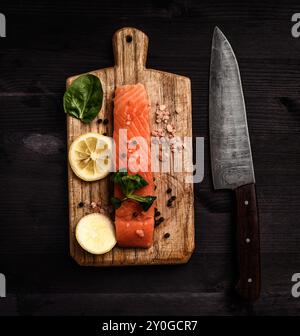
[46, 43]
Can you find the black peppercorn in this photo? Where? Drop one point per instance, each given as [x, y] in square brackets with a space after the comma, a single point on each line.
[169, 190]
[104, 133]
[99, 121]
[173, 198]
[167, 235]
[157, 213]
[80, 204]
[105, 121]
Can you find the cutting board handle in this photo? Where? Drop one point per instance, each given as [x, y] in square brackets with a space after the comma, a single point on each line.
[130, 51]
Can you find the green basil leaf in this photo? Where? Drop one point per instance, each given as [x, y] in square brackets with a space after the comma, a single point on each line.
[132, 183]
[118, 179]
[83, 98]
[144, 201]
[129, 184]
[116, 202]
[137, 181]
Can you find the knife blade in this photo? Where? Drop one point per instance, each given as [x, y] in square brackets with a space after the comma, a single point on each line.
[231, 159]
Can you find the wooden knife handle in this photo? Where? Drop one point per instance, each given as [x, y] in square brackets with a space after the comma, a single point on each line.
[248, 243]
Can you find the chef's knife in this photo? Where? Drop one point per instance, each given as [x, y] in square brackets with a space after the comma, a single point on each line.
[231, 159]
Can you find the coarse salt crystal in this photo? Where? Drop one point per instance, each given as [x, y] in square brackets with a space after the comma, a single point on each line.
[140, 233]
[162, 107]
[169, 128]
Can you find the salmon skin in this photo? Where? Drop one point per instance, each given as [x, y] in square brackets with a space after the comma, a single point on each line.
[134, 227]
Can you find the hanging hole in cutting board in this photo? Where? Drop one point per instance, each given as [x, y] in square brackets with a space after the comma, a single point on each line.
[128, 38]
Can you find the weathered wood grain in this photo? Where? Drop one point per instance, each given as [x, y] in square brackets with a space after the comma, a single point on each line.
[46, 42]
[130, 50]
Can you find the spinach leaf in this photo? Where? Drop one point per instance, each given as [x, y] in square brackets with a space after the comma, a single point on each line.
[83, 98]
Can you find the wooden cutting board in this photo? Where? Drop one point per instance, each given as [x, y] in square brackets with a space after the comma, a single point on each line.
[174, 238]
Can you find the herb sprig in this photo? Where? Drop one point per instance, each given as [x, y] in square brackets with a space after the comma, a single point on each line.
[129, 184]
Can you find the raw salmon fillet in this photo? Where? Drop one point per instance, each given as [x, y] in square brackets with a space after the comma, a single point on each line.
[134, 227]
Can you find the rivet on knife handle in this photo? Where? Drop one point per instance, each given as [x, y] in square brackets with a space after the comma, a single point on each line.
[248, 243]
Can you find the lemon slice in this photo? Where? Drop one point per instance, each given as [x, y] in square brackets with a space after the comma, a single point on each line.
[90, 156]
[95, 233]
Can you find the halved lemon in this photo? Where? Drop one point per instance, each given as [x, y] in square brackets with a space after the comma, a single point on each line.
[95, 233]
[90, 156]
